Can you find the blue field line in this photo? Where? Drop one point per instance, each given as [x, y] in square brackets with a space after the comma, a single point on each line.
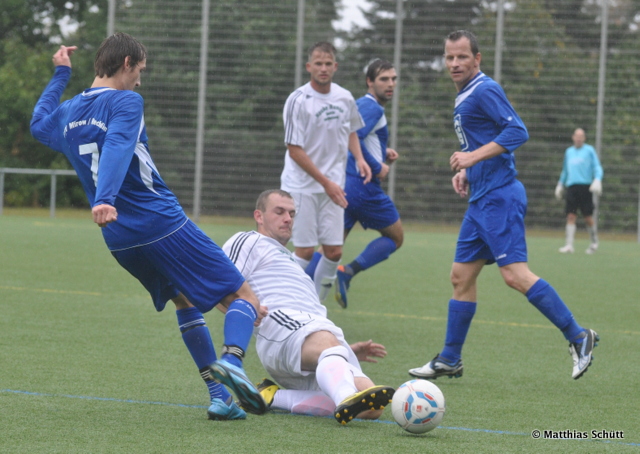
[108, 399]
[168, 404]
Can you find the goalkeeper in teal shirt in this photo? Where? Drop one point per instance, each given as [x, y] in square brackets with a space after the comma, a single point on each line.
[582, 177]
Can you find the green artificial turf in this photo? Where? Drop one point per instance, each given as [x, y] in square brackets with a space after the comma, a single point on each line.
[88, 366]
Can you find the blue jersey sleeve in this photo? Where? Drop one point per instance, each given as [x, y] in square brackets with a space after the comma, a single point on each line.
[122, 136]
[44, 122]
[371, 118]
[371, 113]
[376, 167]
[513, 132]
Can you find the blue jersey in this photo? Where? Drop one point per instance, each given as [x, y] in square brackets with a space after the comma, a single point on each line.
[482, 115]
[373, 136]
[581, 166]
[102, 133]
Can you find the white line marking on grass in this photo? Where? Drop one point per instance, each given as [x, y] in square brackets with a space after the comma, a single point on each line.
[109, 399]
[481, 322]
[48, 290]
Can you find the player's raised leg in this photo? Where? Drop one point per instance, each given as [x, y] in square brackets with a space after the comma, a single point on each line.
[544, 298]
[197, 338]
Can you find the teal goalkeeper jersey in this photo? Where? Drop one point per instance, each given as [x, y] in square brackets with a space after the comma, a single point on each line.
[581, 166]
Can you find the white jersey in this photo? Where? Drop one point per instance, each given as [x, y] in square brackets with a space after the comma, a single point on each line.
[320, 124]
[276, 278]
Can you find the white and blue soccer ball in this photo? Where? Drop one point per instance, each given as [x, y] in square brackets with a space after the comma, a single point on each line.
[418, 406]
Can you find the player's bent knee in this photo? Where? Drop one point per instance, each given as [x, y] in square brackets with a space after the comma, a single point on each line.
[245, 292]
[322, 339]
[510, 280]
[181, 302]
[305, 253]
[457, 281]
[395, 233]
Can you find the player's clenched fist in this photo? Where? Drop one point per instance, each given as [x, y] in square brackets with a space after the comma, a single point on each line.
[104, 214]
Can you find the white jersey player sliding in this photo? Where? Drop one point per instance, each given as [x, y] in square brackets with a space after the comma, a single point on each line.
[301, 349]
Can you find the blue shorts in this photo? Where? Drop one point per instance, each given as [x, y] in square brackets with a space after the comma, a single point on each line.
[369, 205]
[186, 261]
[493, 227]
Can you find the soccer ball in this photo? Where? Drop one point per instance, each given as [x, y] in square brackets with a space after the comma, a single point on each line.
[418, 406]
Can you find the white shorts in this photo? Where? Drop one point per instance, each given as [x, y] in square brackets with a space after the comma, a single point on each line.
[279, 347]
[318, 221]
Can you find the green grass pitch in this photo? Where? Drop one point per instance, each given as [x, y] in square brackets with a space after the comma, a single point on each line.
[88, 366]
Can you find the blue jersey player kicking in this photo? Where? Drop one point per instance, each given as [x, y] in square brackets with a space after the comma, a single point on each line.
[489, 131]
[102, 133]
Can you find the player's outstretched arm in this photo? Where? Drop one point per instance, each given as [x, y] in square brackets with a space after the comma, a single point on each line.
[42, 123]
[365, 351]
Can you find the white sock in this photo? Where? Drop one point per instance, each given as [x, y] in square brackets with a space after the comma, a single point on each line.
[313, 403]
[324, 276]
[571, 233]
[333, 374]
[593, 234]
[302, 262]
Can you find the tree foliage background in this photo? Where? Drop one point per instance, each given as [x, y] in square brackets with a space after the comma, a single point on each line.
[549, 72]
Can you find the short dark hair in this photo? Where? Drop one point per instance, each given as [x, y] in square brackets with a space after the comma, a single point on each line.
[113, 51]
[458, 34]
[261, 203]
[322, 46]
[375, 67]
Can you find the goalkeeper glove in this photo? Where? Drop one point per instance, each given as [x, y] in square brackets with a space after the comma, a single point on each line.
[596, 187]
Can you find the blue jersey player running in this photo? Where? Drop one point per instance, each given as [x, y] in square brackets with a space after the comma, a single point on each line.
[368, 203]
[102, 133]
[489, 131]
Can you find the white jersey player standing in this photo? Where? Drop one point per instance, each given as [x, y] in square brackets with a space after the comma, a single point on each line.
[299, 347]
[320, 121]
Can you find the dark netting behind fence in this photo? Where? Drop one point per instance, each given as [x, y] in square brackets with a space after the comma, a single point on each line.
[549, 71]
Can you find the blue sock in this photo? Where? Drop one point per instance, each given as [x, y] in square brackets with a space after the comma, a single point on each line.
[378, 250]
[238, 328]
[458, 322]
[197, 338]
[547, 301]
[313, 264]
